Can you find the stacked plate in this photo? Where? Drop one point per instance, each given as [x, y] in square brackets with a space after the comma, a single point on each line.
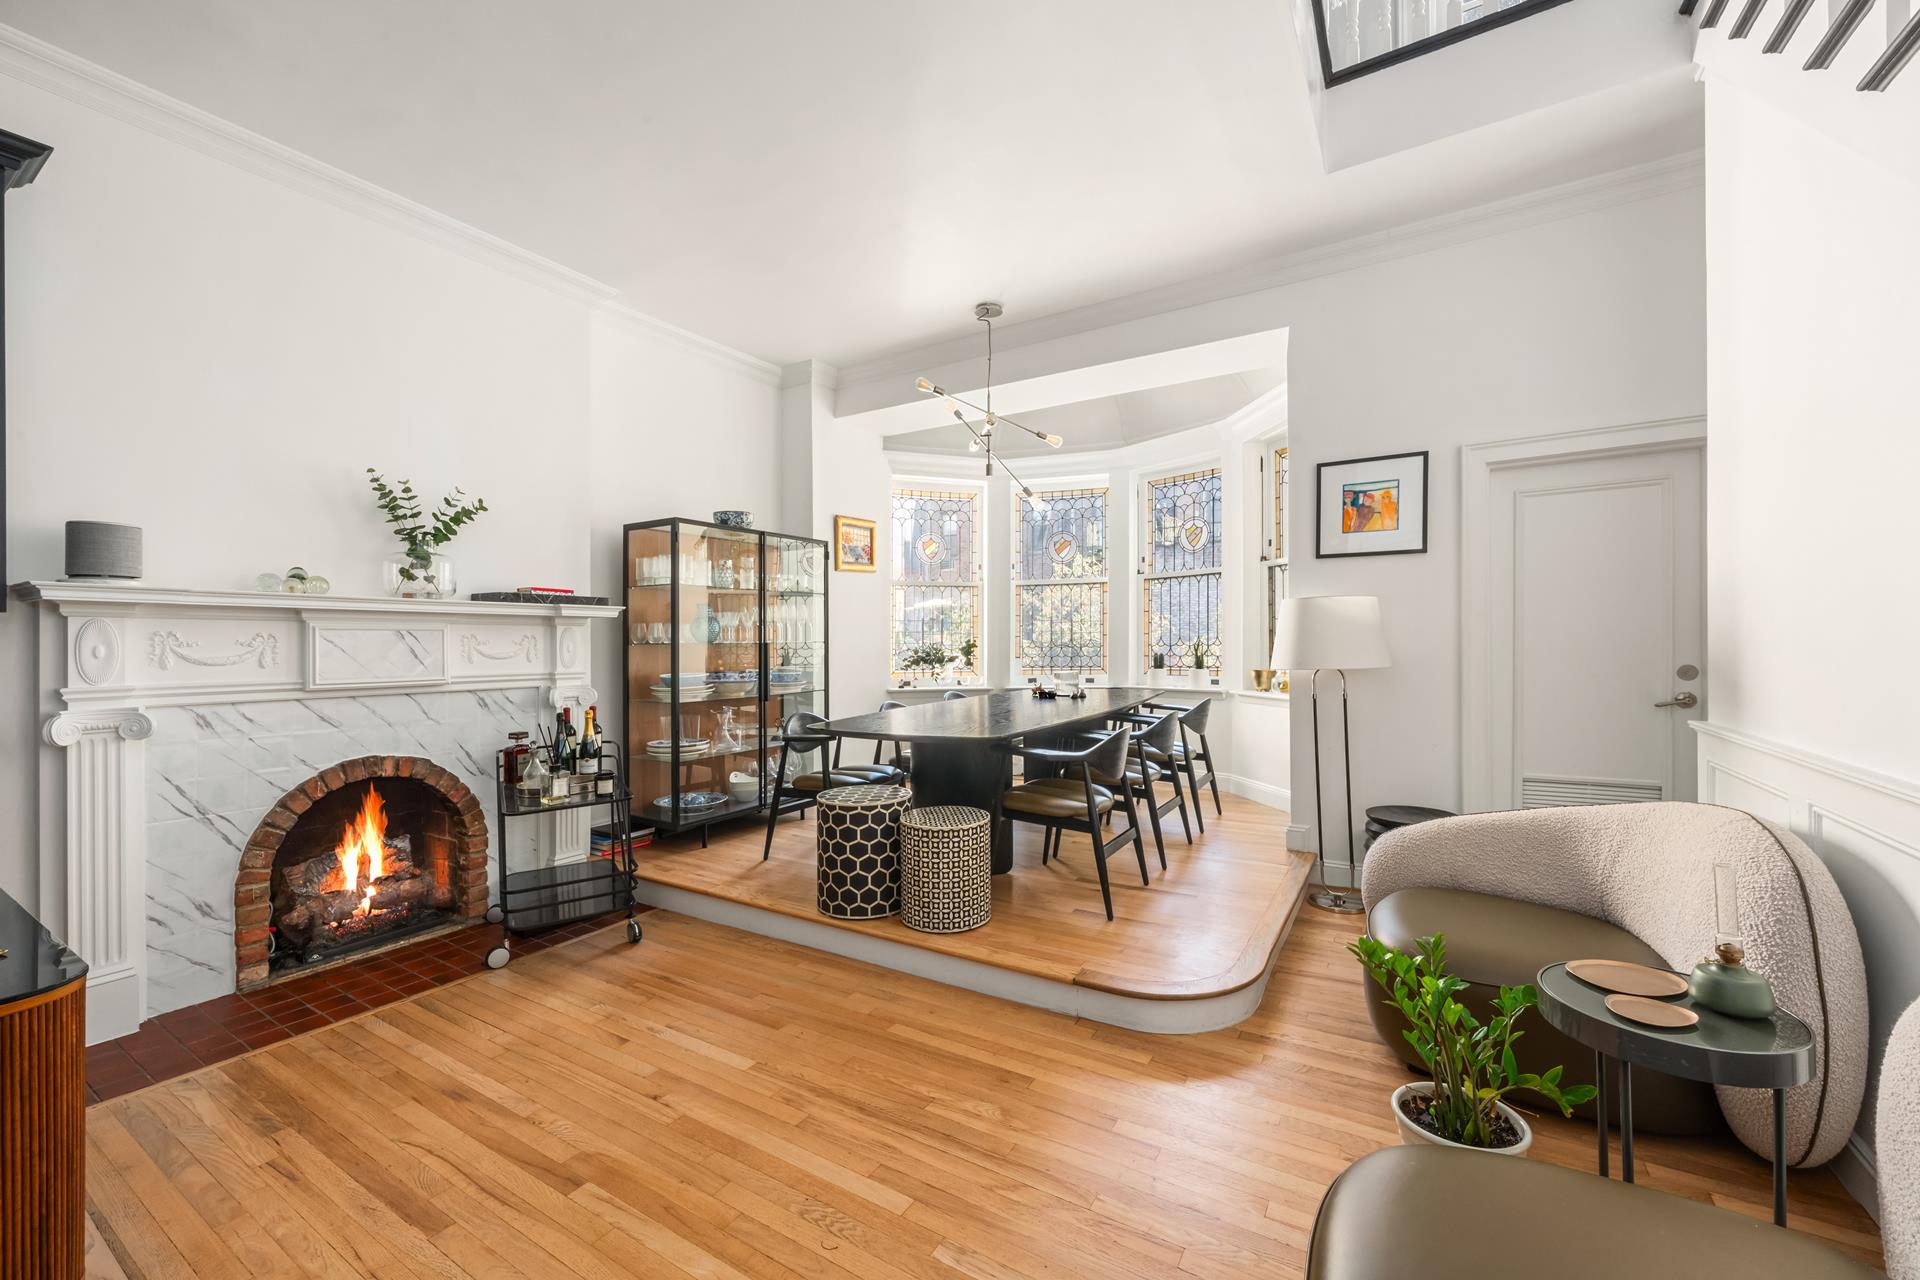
[662, 748]
[692, 689]
[693, 801]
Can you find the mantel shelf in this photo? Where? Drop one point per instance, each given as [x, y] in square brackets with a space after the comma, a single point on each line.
[171, 599]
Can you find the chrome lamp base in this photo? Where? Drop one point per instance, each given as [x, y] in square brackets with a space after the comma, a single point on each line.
[1342, 901]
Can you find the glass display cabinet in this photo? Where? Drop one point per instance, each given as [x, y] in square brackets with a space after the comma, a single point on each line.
[726, 637]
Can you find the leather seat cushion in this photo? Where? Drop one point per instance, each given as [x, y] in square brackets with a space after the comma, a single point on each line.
[1494, 941]
[842, 777]
[1055, 798]
[1153, 771]
[1409, 1211]
[1176, 753]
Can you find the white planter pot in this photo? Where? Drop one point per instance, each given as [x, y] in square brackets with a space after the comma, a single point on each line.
[1412, 1134]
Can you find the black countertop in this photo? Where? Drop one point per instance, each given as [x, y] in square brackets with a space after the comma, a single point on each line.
[31, 961]
[993, 717]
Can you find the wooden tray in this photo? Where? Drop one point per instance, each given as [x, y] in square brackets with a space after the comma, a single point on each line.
[1652, 1013]
[1628, 979]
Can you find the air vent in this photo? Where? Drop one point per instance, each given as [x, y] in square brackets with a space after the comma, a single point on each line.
[1541, 792]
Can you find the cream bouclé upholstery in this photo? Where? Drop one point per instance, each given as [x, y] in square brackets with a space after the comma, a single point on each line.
[1896, 1144]
[1648, 868]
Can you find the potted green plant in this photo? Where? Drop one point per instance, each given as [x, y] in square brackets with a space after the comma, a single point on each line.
[1198, 652]
[1472, 1062]
[419, 571]
[926, 657]
[965, 671]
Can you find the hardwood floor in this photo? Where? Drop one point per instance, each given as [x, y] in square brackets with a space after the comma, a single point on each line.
[716, 1104]
[1207, 925]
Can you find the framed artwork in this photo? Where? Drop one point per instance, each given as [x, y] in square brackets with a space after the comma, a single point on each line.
[853, 544]
[1371, 506]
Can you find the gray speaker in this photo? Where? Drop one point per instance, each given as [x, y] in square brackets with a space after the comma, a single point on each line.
[96, 549]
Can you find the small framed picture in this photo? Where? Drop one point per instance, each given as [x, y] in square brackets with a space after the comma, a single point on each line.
[1371, 506]
[853, 544]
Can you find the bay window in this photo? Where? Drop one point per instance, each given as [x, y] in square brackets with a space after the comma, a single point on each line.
[935, 610]
[1181, 562]
[1060, 583]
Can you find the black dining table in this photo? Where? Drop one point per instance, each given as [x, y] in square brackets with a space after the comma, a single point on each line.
[962, 747]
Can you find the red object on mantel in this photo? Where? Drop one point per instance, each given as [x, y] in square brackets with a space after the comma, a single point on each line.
[548, 591]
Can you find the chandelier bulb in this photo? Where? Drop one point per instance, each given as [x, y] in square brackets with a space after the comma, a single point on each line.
[926, 385]
[1053, 442]
[973, 446]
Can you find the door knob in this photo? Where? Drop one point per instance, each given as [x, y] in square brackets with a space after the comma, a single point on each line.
[1680, 700]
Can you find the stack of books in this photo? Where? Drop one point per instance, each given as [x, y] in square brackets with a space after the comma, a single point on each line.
[539, 595]
[602, 840]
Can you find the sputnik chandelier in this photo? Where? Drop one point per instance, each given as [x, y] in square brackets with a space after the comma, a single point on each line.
[981, 439]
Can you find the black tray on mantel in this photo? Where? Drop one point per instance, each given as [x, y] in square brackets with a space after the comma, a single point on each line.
[535, 597]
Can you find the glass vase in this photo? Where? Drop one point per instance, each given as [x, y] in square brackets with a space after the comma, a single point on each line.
[412, 578]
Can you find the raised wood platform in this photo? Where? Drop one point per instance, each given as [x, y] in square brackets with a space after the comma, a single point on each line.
[1190, 952]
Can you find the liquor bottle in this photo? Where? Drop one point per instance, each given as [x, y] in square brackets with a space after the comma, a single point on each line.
[587, 754]
[563, 742]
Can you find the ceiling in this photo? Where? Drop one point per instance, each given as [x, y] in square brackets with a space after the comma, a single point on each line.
[840, 180]
[1108, 422]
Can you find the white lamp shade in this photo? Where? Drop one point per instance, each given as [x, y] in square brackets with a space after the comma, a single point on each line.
[1322, 633]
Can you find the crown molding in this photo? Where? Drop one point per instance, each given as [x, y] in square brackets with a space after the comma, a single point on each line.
[762, 371]
[809, 373]
[30, 59]
[34, 61]
[1549, 204]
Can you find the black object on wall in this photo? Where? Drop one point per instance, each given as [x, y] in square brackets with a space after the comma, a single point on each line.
[20, 162]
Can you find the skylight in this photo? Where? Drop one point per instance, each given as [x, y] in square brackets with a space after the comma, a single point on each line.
[1362, 36]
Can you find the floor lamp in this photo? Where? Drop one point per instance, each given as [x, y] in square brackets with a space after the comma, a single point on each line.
[1339, 634]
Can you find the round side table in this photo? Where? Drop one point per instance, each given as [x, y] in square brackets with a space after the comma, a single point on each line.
[1382, 818]
[1745, 1053]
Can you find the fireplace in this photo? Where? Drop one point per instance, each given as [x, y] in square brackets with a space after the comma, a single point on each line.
[363, 854]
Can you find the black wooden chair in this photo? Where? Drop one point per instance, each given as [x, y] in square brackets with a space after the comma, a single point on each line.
[1093, 782]
[902, 758]
[952, 695]
[1151, 738]
[802, 737]
[1183, 754]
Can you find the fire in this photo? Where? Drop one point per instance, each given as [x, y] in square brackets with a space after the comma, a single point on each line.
[365, 838]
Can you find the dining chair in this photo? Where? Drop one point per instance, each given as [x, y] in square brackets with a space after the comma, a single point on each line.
[902, 750]
[1093, 783]
[952, 695]
[1182, 754]
[1150, 739]
[801, 736]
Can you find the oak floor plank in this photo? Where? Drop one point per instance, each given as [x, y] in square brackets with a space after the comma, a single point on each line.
[722, 1106]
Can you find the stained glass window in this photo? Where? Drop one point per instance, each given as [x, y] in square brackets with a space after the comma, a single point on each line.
[936, 583]
[1060, 583]
[1181, 521]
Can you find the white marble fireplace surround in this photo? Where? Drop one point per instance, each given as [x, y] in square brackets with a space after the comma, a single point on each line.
[174, 720]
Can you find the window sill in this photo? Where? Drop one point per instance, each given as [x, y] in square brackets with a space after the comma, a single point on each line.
[1261, 696]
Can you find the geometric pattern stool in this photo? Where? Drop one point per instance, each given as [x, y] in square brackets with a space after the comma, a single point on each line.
[859, 843]
[946, 869]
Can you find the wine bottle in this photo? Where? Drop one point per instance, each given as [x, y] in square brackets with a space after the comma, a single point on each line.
[563, 742]
[587, 755]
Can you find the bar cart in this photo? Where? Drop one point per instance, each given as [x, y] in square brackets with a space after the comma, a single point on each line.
[543, 897]
[726, 637]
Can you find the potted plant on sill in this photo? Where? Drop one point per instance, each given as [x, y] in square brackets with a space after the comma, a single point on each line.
[929, 658]
[1472, 1063]
[419, 571]
[1198, 652]
[963, 671]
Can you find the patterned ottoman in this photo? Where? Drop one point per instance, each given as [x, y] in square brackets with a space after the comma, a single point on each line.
[859, 842]
[946, 869]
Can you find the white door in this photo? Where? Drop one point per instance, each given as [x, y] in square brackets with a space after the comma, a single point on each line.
[1596, 628]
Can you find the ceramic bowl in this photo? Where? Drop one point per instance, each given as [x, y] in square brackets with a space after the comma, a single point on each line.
[734, 519]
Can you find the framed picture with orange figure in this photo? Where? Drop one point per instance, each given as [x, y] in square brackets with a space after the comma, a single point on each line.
[1371, 506]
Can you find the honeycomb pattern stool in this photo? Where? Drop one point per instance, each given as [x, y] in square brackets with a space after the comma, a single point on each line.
[946, 868]
[859, 842]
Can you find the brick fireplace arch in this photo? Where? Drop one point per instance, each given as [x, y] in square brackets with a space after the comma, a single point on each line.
[252, 892]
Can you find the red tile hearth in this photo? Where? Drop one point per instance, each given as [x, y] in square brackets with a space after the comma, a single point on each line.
[200, 1035]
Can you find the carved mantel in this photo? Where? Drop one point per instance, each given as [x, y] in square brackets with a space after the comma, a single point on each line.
[116, 657]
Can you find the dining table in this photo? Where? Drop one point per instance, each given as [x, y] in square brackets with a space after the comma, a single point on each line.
[963, 748]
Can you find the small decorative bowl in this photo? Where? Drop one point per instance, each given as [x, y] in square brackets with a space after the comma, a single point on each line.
[734, 519]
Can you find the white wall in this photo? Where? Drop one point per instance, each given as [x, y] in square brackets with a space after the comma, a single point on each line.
[1588, 321]
[1813, 599]
[674, 434]
[206, 352]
